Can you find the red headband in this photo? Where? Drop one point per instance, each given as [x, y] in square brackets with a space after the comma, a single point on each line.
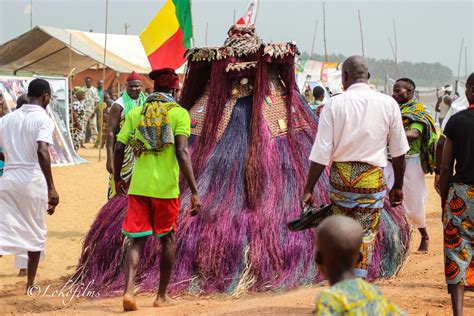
[165, 78]
[134, 76]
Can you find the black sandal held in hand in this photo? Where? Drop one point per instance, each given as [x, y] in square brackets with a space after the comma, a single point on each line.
[310, 217]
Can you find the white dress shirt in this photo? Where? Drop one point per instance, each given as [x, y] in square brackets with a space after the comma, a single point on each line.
[19, 133]
[357, 126]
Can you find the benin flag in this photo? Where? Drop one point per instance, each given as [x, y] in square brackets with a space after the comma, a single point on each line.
[168, 35]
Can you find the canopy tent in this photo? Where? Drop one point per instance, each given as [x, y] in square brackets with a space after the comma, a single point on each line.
[46, 50]
[50, 51]
[54, 51]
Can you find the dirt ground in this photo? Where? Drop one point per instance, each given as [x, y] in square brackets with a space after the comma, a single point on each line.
[419, 288]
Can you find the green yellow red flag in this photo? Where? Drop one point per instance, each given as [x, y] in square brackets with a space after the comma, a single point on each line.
[169, 35]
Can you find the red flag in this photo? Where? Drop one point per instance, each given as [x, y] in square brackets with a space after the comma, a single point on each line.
[250, 14]
[168, 35]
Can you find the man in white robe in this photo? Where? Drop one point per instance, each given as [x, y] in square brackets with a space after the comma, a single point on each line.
[27, 189]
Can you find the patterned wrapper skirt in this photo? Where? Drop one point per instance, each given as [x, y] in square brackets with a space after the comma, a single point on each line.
[126, 172]
[357, 190]
[459, 235]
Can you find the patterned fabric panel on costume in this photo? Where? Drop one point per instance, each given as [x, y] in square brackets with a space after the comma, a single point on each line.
[198, 112]
[357, 190]
[354, 297]
[274, 112]
[458, 218]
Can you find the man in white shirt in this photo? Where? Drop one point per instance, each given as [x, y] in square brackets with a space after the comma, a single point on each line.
[27, 189]
[354, 129]
[458, 105]
[443, 103]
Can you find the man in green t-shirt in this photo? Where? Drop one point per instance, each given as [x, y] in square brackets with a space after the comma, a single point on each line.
[421, 134]
[157, 132]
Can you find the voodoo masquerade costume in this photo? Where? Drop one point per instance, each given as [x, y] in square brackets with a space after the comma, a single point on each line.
[250, 133]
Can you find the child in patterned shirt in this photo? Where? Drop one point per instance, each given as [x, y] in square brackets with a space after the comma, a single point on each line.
[338, 243]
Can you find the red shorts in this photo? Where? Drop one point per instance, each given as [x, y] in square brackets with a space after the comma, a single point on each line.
[150, 216]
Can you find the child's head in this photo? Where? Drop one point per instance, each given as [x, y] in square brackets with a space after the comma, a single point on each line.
[338, 242]
[22, 99]
[318, 93]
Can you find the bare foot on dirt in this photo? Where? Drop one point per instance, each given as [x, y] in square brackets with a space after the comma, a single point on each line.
[163, 301]
[22, 273]
[129, 303]
[423, 245]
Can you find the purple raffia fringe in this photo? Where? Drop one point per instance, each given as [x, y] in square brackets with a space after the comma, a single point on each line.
[229, 248]
[198, 74]
[218, 95]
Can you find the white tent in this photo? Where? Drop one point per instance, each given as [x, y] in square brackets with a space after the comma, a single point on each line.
[46, 50]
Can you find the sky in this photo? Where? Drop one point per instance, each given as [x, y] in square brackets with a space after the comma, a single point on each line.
[427, 31]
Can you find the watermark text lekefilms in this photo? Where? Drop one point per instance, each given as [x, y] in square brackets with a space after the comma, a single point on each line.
[66, 293]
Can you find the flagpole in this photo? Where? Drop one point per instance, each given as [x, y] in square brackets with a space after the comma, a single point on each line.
[314, 38]
[396, 48]
[459, 61]
[31, 14]
[324, 33]
[394, 57]
[465, 61]
[256, 12]
[192, 23]
[70, 83]
[101, 107]
[205, 38]
[361, 33]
